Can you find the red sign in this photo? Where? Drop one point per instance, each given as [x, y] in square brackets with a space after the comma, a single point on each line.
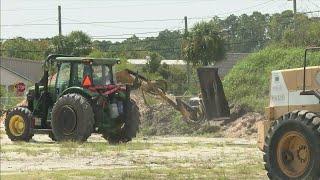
[20, 87]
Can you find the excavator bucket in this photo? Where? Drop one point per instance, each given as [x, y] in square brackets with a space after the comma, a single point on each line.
[213, 98]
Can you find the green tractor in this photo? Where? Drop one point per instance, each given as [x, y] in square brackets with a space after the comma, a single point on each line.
[74, 98]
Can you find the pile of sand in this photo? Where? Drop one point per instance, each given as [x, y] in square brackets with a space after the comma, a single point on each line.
[244, 126]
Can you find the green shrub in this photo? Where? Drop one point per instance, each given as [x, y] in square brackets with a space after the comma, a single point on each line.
[247, 84]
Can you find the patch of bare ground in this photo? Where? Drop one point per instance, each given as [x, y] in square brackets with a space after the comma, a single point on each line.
[155, 157]
[192, 156]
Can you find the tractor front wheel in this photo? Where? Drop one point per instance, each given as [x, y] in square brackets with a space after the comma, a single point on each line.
[18, 124]
[72, 118]
[293, 146]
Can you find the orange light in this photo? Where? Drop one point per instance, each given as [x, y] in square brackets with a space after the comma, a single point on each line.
[86, 81]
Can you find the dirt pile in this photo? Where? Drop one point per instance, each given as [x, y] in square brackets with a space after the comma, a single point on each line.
[161, 119]
[244, 126]
[157, 118]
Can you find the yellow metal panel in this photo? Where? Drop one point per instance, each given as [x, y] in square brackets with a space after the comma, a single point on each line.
[263, 128]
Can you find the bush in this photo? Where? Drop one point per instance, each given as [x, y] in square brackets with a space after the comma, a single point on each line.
[247, 84]
[8, 100]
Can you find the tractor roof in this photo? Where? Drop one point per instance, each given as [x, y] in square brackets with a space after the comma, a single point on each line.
[108, 61]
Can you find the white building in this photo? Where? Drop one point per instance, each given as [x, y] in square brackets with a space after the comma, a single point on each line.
[165, 61]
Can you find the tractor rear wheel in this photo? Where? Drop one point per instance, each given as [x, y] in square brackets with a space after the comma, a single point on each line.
[130, 127]
[72, 118]
[19, 124]
[292, 147]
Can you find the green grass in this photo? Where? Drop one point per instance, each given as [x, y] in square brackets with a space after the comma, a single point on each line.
[89, 148]
[200, 172]
[2, 134]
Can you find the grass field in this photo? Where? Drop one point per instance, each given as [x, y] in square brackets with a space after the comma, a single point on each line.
[144, 158]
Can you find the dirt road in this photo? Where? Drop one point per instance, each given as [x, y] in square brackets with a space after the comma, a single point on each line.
[144, 158]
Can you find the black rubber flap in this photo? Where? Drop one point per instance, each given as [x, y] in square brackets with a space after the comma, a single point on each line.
[213, 97]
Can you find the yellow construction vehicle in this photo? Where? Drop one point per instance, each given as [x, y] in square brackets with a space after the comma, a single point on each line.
[290, 137]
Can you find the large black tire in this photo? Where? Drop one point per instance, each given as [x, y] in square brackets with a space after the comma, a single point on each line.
[72, 118]
[287, 132]
[130, 127]
[19, 124]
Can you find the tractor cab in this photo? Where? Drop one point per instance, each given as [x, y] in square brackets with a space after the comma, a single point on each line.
[80, 72]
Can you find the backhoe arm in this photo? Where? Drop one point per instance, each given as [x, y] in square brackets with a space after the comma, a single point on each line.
[212, 106]
[156, 88]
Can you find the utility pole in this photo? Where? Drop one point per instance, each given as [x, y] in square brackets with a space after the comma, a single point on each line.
[185, 36]
[186, 26]
[295, 7]
[294, 12]
[59, 20]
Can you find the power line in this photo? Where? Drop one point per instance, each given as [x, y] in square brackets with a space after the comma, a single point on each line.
[111, 6]
[309, 12]
[151, 32]
[40, 20]
[230, 12]
[122, 27]
[134, 21]
[314, 4]
[94, 22]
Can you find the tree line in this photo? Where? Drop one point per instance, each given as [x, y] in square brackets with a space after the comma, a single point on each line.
[206, 42]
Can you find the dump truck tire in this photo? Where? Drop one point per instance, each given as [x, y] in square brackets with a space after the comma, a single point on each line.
[130, 127]
[292, 147]
[72, 118]
[19, 124]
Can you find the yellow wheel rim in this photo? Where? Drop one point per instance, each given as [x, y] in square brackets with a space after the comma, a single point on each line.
[16, 125]
[293, 154]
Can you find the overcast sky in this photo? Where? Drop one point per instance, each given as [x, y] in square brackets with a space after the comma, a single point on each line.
[44, 14]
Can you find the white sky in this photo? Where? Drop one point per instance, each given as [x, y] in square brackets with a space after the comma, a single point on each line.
[45, 12]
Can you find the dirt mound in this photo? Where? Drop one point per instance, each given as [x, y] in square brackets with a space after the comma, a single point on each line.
[244, 126]
[161, 119]
[158, 118]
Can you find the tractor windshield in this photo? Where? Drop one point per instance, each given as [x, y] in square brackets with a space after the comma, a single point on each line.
[100, 74]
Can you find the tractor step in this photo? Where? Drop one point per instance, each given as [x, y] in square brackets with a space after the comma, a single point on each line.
[42, 131]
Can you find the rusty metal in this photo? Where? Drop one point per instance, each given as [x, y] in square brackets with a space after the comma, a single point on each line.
[293, 154]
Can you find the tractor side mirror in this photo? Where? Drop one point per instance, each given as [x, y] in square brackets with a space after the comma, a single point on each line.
[36, 89]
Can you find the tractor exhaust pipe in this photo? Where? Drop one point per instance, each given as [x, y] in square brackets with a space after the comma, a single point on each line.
[214, 101]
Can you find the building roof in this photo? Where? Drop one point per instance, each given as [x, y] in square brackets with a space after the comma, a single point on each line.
[9, 77]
